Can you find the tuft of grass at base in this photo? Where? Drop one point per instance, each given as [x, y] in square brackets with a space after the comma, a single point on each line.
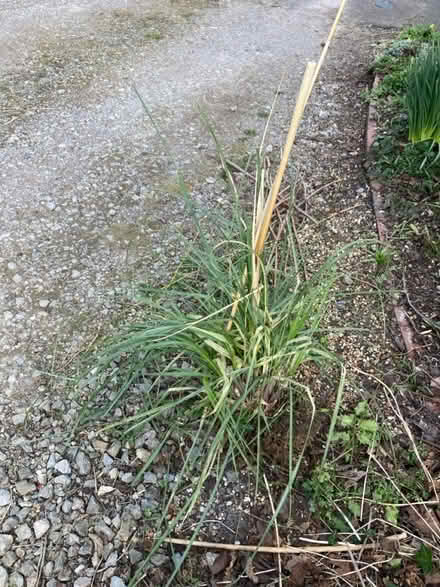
[220, 356]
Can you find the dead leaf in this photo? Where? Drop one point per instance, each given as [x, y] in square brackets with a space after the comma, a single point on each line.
[299, 568]
[433, 580]
[435, 383]
[426, 522]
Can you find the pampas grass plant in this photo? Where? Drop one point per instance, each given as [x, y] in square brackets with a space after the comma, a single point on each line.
[223, 344]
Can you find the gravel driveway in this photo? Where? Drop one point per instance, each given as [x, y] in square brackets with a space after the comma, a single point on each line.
[88, 207]
[86, 187]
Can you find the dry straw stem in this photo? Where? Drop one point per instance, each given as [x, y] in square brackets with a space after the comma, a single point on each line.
[309, 79]
[286, 549]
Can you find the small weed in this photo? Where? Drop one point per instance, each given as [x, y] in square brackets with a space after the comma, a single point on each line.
[424, 559]
[420, 33]
[322, 489]
[356, 429]
[263, 113]
[394, 158]
[383, 257]
[153, 36]
[393, 85]
[430, 244]
[250, 132]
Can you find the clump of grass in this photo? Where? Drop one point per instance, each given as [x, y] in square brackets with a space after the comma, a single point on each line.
[423, 96]
[420, 33]
[223, 351]
[223, 344]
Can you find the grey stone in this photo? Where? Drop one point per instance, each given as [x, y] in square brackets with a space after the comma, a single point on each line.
[52, 583]
[5, 497]
[71, 539]
[134, 511]
[19, 419]
[40, 528]
[16, 580]
[135, 556]
[86, 547]
[104, 531]
[93, 507]
[65, 575]
[9, 559]
[73, 552]
[4, 478]
[107, 460]
[159, 559]
[63, 467]
[112, 559]
[100, 445]
[82, 526]
[150, 478]
[23, 514]
[3, 577]
[82, 582]
[62, 480]
[127, 477]
[150, 440]
[143, 454]
[46, 492]
[211, 557]
[52, 460]
[114, 449]
[25, 487]
[23, 532]
[117, 582]
[10, 524]
[66, 507]
[77, 504]
[149, 503]
[83, 464]
[6, 541]
[48, 569]
[27, 568]
[60, 561]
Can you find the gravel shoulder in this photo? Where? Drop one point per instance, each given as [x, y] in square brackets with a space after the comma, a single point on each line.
[87, 187]
[91, 208]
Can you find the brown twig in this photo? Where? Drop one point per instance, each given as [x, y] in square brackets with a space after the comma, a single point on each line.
[280, 580]
[240, 169]
[426, 320]
[277, 549]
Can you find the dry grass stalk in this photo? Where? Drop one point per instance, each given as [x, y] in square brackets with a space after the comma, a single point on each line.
[281, 549]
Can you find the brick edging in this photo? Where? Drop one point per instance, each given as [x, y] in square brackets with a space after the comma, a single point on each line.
[376, 187]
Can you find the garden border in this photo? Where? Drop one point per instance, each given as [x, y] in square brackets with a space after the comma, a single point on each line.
[377, 188]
